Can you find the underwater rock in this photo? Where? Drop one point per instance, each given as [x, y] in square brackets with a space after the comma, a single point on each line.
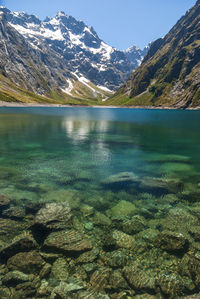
[87, 210]
[91, 295]
[68, 197]
[59, 270]
[88, 257]
[53, 216]
[98, 202]
[23, 242]
[101, 219]
[115, 259]
[148, 235]
[147, 296]
[161, 184]
[172, 242]
[45, 271]
[27, 262]
[44, 291]
[117, 281]
[138, 278]
[4, 293]
[134, 225]
[14, 213]
[10, 228]
[121, 179]
[65, 289]
[123, 240]
[99, 281]
[123, 208]
[67, 241]
[89, 226]
[15, 277]
[172, 284]
[4, 202]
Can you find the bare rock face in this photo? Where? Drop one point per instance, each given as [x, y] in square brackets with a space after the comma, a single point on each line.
[67, 241]
[53, 216]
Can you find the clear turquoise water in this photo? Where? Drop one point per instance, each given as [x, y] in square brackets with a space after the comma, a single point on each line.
[52, 149]
[132, 181]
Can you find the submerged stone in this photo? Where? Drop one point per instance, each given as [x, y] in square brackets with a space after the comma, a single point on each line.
[99, 280]
[59, 270]
[66, 197]
[53, 216]
[161, 184]
[15, 277]
[172, 242]
[134, 225]
[65, 289]
[138, 278]
[24, 242]
[120, 179]
[101, 219]
[88, 257]
[4, 202]
[67, 241]
[117, 281]
[123, 240]
[27, 262]
[123, 208]
[14, 213]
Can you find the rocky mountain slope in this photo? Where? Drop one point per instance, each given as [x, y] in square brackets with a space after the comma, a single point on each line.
[60, 58]
[170, 73]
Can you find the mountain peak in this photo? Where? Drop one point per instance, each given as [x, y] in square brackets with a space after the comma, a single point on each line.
[61, 14]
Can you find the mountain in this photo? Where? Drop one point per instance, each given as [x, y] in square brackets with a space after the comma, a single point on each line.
[170, 73]
[59, 58]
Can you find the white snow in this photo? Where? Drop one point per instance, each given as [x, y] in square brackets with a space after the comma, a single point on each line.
[85, 82]
[54, 21]
[105, 88]
[44, 32]
[69, 88]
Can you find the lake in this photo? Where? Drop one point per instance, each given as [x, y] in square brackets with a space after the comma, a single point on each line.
[99, 202]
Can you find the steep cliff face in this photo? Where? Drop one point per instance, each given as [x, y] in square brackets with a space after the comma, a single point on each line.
[61, 55]
[170, 73]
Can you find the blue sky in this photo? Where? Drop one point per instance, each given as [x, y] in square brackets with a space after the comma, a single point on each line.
[120, 23]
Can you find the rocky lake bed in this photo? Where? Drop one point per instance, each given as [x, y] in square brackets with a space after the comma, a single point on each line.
[99, 209]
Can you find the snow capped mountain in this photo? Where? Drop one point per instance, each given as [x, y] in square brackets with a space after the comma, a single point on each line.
[77, 47]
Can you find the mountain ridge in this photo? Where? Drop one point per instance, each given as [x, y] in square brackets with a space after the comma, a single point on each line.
[61, 55]
[170, 72]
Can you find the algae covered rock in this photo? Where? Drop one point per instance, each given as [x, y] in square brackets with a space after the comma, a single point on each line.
[134, 225]
[53, 216]
[67, 241]
[59, 270]
[66, 197]
[27, 262]
[4, 202]
[123, 240]
[172, 242]
[123, 208]
[117, 281]
[99, 280]
[65, 289]
[138, 278]
[15, 277]
[120, 180]
[14, 213]
[23, 242]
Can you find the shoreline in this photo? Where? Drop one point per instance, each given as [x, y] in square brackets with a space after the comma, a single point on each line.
[42, 105]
